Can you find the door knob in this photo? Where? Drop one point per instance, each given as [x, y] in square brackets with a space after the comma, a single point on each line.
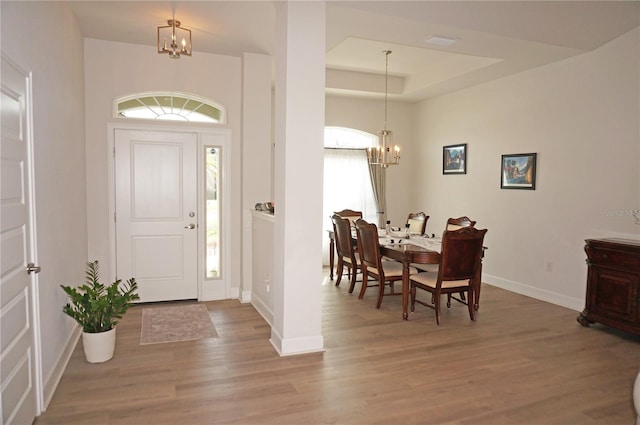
[190, 226]
[32, 268]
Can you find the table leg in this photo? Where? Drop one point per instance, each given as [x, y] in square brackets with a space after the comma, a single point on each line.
[331, 251]
[476, 302]
[478, 282]
[405, 290]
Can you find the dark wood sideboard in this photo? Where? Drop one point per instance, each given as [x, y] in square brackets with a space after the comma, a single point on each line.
[613, 284]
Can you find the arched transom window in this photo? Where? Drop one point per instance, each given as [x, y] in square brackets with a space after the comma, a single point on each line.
[170, 107]
[348, 138]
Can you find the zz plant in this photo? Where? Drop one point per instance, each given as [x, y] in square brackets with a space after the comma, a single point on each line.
[97, 307]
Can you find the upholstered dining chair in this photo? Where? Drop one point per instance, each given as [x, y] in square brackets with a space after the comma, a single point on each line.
[456, 223]
[385, 272]
[460, 262]
[452, 224]
[351, 215]
[347, 256]
[417, 222]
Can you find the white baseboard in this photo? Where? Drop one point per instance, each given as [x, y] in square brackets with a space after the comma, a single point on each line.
[530, 291]
[262, 308]
[295, 346]
[52, 381]
[246, 297]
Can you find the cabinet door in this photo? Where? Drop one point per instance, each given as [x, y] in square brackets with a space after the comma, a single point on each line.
[612, 293]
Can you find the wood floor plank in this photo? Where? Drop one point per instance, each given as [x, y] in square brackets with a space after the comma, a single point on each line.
[522, 362]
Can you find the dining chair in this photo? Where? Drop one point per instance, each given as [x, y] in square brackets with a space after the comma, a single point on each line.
[456, 223]
[350, 214]
[452, 224]
[385, 272]
[460, 261]
[417, 222]
[347, 256]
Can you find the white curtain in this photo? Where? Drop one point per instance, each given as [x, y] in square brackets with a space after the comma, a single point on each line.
[379, 185]
[347, 184]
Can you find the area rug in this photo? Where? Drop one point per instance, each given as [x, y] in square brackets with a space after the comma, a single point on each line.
[176, 323]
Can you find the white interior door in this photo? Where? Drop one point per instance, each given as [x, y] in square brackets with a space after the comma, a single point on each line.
[156, 212]
[17, 308]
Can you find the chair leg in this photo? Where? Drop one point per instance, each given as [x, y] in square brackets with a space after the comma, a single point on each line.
[340, 271]
[354, 271]
[462, 296]
[448, 300]
[364, 284]
[471, 305]
[380, 292]
[437, 295]
[412, 291]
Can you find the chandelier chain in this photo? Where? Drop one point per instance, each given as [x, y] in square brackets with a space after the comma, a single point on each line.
[386, 84]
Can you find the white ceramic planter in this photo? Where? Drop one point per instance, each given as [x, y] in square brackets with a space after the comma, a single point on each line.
[99, 347]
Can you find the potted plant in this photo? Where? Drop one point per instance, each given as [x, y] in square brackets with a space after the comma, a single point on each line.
[98, 308]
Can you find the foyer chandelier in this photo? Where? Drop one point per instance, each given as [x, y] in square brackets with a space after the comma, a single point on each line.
[168, 37]
[383, 154]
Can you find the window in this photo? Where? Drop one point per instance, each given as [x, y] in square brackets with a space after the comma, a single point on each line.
[347, 182]
[169, 107]
[212, 167]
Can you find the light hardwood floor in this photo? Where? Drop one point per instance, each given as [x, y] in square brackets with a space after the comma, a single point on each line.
[523, 362]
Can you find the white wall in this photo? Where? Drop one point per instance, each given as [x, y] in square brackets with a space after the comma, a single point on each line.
[215, 77]
[581, 116]
[262, 265]
[58, 120]
[256, 152]
[368, 115]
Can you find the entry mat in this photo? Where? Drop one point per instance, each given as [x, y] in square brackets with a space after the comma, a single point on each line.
[176, 323]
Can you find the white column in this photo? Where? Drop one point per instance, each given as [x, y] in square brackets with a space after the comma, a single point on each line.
[299, 129]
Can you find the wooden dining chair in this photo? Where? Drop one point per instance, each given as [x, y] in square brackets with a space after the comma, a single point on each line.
[351, 215]
[452, 224]
[417, 223]
[456, 223]
[347, 256]
[459, 271]
[385, 272]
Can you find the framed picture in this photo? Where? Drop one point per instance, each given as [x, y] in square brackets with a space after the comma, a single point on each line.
[454, 159]
[518, 171]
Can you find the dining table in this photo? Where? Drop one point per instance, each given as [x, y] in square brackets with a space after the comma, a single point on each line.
[412, 250]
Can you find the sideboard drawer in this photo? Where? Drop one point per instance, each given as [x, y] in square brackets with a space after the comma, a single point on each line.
[605, 256]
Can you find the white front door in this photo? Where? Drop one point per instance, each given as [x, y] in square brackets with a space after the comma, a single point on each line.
[157, 212]
[17, 308]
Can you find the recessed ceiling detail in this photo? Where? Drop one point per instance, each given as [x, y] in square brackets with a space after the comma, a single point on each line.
[494, 39]
[350, 64]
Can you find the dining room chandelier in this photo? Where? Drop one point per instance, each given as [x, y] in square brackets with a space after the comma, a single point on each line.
[168, 36]
[384, 154]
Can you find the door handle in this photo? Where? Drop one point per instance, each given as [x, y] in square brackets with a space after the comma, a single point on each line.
[190, 226]
[32, 268]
